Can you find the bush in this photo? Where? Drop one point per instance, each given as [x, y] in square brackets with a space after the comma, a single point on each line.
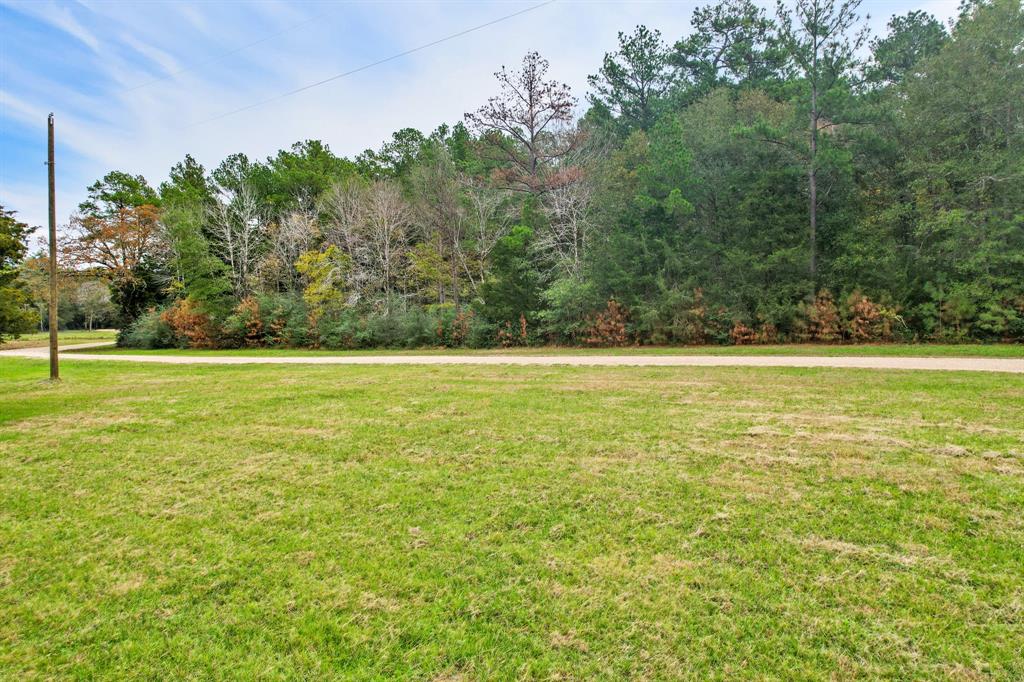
[482, 334]
[742, 335]
[868, 321]
[818, 321]
[567, 304]
[608, 327]
[510, 335]
[244, 327]
[340, 329]
[149, 330]
[191, 326]
[682, 318]
[285, 320]
[767, 333]
[452, 327]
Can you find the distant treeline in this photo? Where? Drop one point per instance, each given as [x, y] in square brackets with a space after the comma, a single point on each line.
[756, 181]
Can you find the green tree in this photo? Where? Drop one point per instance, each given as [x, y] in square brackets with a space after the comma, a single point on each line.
[299, 175]
[513, 289]
[816, 36]
[911, 38]
[395, 157]
[115, 191]
[187, 198]
[732, 43]
[16, 313]
[187, 184]
[633, 79]
[964, 134]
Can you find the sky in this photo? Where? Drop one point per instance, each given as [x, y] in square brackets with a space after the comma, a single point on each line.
[135, 86]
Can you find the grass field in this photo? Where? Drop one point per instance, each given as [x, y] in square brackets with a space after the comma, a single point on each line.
[480, 522]
[908, 350]
[39, 339]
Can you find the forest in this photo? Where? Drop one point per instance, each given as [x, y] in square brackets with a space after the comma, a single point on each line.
[770, 177]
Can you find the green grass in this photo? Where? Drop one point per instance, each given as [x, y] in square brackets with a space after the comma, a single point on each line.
[904, 350]
[479, 522]
[38, 339]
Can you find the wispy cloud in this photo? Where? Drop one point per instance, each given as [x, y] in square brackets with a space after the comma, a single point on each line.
[196, 60]
[61, 17]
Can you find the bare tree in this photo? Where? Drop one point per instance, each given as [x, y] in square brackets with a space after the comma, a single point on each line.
[344, 206]
[568, 209]
[388, 219]
[93, 299]
[440, 214]
[295, 233]
[487, 220]
[529, 124]
[239, 226]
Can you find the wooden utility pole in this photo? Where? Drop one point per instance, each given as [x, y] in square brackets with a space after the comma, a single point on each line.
[54, 368]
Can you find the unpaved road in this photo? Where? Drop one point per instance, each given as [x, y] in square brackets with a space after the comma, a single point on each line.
[1013, 365]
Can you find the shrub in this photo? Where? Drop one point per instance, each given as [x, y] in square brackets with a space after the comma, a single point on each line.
[244, 327]
[482, 334]
[191, 325]
[564, 318]
[509, 336]
[742, 335]
[608, 327]
[340, 329]
[818, 321]
[149, 330]
[767, 333]
[868, 321]
[684, 318]
[285, 320]
[451, 327]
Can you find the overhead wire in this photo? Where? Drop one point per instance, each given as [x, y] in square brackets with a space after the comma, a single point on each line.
[370, 65]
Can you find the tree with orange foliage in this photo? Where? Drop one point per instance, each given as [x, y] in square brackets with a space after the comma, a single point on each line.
[116, 230]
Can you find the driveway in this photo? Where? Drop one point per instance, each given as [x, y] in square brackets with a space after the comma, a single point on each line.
[1013, 365]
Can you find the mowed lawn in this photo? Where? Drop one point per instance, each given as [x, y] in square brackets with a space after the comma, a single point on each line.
[72, 336]
[995, 350]
[465, 522]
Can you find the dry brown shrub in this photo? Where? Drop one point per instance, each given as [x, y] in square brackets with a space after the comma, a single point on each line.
[508, 336]
[457, 332]
[768, 333]
[249, 310]
[608, 327]
[866, 320]
[819, 321]
[190, 323]
[742, 335]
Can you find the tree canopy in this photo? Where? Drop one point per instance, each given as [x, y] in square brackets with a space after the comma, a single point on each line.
[768, 177]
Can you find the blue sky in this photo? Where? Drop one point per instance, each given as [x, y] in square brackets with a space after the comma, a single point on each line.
[127, 80]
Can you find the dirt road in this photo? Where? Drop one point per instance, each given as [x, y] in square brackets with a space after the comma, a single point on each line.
[1012, 365]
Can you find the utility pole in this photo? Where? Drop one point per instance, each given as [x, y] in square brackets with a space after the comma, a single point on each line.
[54, 368]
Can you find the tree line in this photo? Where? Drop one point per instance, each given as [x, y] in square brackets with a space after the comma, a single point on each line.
[769, 177]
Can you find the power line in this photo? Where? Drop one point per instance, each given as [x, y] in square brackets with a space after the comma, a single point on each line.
[191, 67]
[368, 66]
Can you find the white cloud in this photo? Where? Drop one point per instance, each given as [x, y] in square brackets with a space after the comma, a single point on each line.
[62, 18]
[165, 61]
[141, 130]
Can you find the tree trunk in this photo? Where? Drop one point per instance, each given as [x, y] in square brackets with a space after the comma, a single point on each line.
[812, 178]
[455, 279]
